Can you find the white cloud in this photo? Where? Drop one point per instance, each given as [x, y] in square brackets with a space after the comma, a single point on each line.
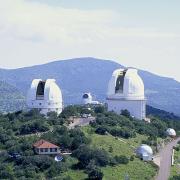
[33, 33]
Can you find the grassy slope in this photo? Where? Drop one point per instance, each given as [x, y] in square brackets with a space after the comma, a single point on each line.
[136, 169]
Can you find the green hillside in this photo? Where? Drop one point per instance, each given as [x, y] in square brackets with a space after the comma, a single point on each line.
[103, 149]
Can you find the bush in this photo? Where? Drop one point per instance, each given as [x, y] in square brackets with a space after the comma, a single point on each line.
[101, 130]
[121, 159]
[125, 113]
[99, 109]
[95, 174]
[85, 155]
[132, 158]
[177, 148]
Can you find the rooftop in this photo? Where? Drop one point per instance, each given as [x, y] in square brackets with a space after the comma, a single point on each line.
[44, 144]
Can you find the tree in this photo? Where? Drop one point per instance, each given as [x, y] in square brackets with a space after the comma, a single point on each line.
[125, 113]
[99, 109]
[121, 159]
[95, 174]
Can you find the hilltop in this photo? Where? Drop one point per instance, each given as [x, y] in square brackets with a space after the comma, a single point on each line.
[76, 76]
[105, 147]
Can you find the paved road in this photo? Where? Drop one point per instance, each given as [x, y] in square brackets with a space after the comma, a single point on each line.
[165, 160]
[81, 122]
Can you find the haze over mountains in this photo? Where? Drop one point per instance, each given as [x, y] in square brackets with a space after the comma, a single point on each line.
[77, 76]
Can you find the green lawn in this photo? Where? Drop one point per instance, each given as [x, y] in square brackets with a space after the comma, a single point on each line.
[136, 170]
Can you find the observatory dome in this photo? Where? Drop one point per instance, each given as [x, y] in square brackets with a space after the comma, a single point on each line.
[126, 83]
[45, 95]
[87, 98]
[171, 132]
[144, 149]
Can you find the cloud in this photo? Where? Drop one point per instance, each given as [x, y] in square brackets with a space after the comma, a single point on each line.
[34, 33]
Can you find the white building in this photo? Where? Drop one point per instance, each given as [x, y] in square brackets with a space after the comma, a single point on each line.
[171, 132]
[126, 91]
[145, 152]
[87, 99]
[45, 96]
[46, 148]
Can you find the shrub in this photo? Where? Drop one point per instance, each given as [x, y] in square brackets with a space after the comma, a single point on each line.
[101, 130]
[95, 174]
[125, 113]
[121, 159]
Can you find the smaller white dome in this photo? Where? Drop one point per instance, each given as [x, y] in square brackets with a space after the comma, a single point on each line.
[144, 149]
[87, 98]
[171, 132]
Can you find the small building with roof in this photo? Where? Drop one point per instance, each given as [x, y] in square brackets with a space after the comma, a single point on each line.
[44, 147]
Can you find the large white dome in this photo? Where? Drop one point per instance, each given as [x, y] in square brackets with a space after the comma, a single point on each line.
[171, 132]
[126, 83]
[45, 95]
[144, 149]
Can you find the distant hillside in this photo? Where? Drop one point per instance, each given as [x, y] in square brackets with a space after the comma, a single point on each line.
[11, 99]
[164, 115]
[77, 76]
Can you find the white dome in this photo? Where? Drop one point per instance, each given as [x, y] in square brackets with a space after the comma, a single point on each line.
[126, 83]
[87, 98]
[45, 95]
[144, 149]
[171, 132]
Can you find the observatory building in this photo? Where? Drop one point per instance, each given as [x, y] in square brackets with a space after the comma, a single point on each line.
[145, 152]
[171, 132]
[87, 99]
[126, 91]
[45, 96]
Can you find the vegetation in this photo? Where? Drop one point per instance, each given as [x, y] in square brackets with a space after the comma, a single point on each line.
[102, 150]
[175, 170]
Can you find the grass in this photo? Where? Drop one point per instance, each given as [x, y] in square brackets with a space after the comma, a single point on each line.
[136, 169]
[175, 169]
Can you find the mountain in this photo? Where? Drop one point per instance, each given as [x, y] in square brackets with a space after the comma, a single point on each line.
[11, 98]
[76, 76]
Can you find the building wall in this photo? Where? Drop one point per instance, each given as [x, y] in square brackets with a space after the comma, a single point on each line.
[137, 108]
[38, 151]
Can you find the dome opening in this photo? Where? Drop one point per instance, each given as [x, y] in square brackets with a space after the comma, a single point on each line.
[120, 82]
[85, 96]
[40, 90]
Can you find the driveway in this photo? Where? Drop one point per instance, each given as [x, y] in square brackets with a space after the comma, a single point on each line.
[165, 160]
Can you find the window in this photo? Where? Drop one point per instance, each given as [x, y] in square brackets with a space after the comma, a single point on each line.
[41, 150]
[53, 149]
[46, 149]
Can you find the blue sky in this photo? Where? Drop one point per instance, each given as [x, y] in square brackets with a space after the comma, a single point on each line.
[140, 33]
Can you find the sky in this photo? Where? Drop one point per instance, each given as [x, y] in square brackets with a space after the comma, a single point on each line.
[138, 33]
